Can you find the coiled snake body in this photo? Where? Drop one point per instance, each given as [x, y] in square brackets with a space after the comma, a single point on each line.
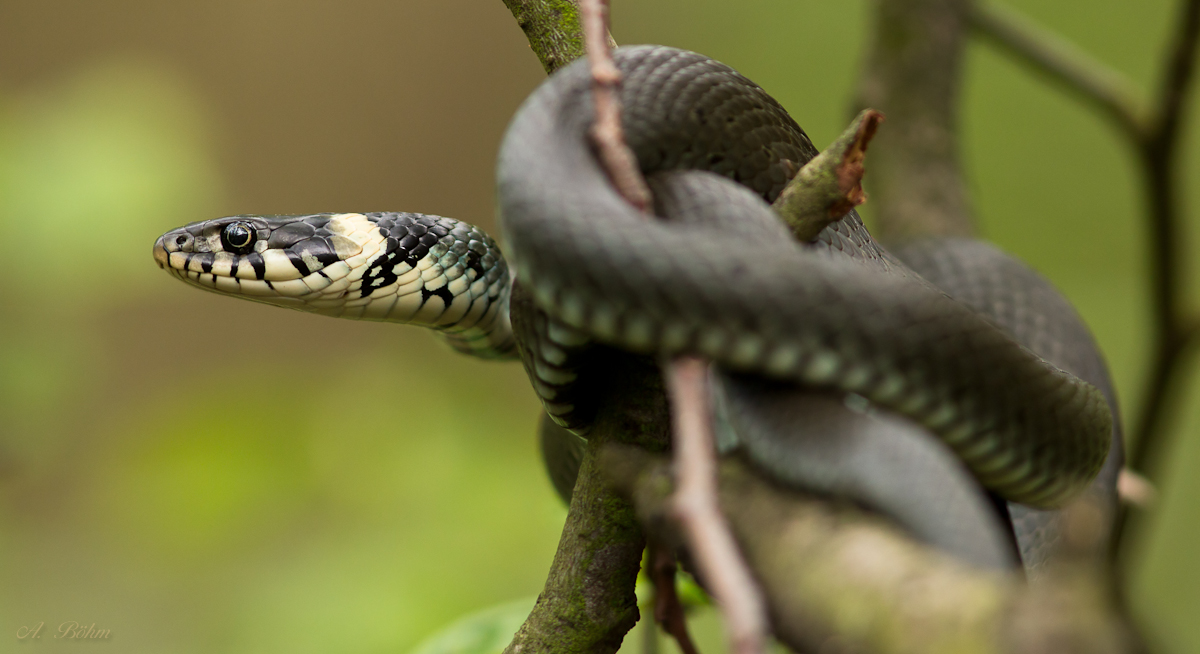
[720, 278]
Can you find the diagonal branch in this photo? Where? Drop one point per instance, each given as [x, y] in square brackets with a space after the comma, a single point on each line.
[1175, 88]
[607, 134]
[552, 28]
[1159, 147]
[839, 579]
[709, 539]
[1062, 61]
[695, 506]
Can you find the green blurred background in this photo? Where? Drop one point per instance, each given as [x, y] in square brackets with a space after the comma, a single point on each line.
[202, 475]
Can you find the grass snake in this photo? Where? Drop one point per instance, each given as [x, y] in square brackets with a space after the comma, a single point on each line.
[1003, 373]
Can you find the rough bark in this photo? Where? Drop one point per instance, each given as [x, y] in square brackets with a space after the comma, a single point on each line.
[912, 75]
[588, 602]
[838, 579]
[553, 30]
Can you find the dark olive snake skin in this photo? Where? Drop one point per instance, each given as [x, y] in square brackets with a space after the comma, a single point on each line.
[1025, 305]
[839, 328]
[1028, 430]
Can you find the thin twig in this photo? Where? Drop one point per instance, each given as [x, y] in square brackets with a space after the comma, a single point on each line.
[696, 508]
[607, 133]
[1135, 490]
[1064, 62]
[709, 538]
[668, 611]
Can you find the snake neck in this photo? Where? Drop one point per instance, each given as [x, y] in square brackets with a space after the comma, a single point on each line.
[490, 338]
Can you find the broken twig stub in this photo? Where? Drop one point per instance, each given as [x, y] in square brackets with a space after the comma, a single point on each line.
[830, 184]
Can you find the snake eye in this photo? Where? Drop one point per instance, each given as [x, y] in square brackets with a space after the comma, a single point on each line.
[238, 238]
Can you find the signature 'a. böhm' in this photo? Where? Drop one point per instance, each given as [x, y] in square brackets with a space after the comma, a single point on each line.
[69, 630]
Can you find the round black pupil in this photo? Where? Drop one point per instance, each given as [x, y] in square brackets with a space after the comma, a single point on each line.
[238, 235]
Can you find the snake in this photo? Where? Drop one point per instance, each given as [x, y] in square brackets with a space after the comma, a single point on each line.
[951, 341]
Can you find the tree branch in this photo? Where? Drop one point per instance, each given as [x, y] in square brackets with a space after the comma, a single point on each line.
[607, 134]
[552, 28]
[588, 603]
[1054, 56]
[838, 579]
[1155, 135]
[911, 76]
[1175, 329]
[668, 610]
[696, 508]
[694, 505]
[1158, 147]
[830, 184]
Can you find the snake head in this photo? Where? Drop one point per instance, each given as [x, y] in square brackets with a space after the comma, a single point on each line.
[399, 267]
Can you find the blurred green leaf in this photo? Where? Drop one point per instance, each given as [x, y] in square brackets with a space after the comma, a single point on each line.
[483, 632]
[691, 595]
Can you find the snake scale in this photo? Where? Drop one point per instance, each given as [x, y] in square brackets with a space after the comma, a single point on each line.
[1006, 376]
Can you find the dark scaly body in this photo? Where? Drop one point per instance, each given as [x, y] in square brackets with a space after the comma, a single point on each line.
[1025, 305]
[1025, 428]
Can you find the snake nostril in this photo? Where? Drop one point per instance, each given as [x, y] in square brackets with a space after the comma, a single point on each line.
[180, 240]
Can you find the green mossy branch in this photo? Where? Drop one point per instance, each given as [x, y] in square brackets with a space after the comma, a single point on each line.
[839, 579]
[553, 29]
[588, 602]
[829, 185]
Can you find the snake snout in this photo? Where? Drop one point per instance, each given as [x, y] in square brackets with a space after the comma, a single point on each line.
[160, 253]
[176, 240]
